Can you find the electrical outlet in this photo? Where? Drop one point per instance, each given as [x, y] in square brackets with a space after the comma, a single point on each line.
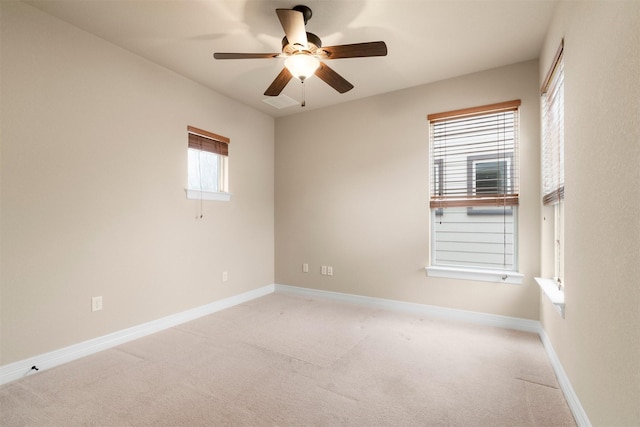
[225, 276]
[305, 268]
[96, 303]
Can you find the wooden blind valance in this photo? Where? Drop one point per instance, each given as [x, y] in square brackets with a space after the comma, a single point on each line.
[474, 111]
[208, 141]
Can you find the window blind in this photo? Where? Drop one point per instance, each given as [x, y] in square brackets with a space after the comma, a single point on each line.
[553, 132]
[472, 155]
[208, 141]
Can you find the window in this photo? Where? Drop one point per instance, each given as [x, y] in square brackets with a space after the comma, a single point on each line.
[488, 174]
[474, 192]
[207, 165]
[553, 159]
[489, 177]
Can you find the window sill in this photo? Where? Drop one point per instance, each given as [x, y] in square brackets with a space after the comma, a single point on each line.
[207, 195]
[555, 295]
[496, 276]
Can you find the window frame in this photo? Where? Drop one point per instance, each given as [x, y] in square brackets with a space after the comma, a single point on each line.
[478, 206]
[552, 109]
[205, 141]
[553, 141]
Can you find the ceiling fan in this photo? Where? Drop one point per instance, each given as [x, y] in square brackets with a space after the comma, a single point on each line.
[304, 50]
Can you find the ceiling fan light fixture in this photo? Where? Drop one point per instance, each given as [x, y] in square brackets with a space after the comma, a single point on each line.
[302, 65]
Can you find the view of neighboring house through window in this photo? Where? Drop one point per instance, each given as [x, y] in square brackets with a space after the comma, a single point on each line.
[474, 187]
[207, 165]
[553, 157]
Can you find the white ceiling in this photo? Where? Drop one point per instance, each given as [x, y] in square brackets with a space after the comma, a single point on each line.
[427, 40]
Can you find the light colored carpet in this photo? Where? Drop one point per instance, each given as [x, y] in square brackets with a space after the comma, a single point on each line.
[292, 361]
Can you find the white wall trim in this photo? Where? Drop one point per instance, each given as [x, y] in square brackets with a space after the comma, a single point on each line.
[553, 292]
[495, 276]
[429, 310]
[220, 196]
[466, 316]
[565, 385]
[22, 368]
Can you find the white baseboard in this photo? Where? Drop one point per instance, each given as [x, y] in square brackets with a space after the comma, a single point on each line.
[22, 368]
[427, 310]
[466, 316]
[565, 385]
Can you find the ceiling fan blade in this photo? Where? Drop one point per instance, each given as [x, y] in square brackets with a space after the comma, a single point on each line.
[333, 79]
[279, 83]
[356, 50]
[219, 55]
[292, 22]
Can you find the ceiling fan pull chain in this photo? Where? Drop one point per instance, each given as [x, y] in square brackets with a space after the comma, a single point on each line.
[304, 97]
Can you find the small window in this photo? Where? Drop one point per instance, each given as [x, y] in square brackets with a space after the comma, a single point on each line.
[490, 177]
[474, 189]
[208, 156]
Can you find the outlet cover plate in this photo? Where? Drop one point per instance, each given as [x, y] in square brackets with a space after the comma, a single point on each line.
[96, 303]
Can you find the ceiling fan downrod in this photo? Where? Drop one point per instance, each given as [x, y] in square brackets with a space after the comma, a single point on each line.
[306, 12]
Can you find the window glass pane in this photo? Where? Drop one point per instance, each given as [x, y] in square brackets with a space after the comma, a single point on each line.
[491, 177]
[203, 170]
[484, 241]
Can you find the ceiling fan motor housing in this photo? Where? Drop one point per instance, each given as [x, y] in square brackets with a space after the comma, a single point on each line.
[313, 43]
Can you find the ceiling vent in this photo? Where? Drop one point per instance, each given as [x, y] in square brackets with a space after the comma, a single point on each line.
[280, 101]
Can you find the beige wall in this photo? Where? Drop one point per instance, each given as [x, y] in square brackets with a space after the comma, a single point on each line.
[352, 192]
[598, 342]
[93, 171]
